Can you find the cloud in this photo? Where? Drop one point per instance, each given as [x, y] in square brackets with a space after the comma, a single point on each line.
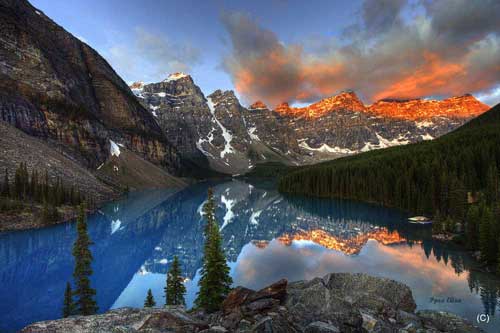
[395, 49]
[151, 57]
[491, 97]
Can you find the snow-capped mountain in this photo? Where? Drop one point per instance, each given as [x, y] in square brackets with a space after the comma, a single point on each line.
[209, 131]
[218, 132]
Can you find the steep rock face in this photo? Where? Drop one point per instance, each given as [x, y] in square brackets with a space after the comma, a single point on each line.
[57, 88]
[270, 127]
[213, 131]
[177, 104]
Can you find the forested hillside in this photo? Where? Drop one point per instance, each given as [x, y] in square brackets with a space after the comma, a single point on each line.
[454, 178]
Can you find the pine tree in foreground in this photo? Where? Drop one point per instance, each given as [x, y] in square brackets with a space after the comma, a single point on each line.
[68, 305]
[6, 187]
[150, 301]
[215, 282]
[175, 289]
[83, 270]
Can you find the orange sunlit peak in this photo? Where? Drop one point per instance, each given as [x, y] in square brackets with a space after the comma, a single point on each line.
[258, 105]
[464, 106]
[346, 100]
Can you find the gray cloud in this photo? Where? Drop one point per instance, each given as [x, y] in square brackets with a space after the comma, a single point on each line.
[381, 15]
[464, 20]
[151, 57]
[439, 52]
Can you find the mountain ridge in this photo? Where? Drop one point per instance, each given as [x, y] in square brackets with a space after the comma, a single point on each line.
[220, 133]
[464, 106]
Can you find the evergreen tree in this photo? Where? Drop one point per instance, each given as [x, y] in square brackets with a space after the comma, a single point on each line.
[437, 225]
[492, 184]
[6, 187]
[215, 282]
[150, 301]
[68, 305]
[472, 227]
[487, 236]
[83, 270]
[175, 289]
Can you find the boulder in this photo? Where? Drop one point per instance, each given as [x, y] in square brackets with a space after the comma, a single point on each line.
[310, 301]
[446, 322]
[122, 320]
[375, 295]
[236, 298]
[276, 291]
[254, 301]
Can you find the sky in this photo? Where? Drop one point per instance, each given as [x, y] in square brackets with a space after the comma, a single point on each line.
[298, 51]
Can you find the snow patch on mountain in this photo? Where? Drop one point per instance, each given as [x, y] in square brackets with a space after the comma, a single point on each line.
[199, 145]
[114, 149]
[424, 124]
[427, 136]
[225, 133]
[251, 133]
[385, 143]
[327, 149]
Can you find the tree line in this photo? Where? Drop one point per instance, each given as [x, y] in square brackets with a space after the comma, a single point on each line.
[29, 188]
[454, 178]
[215, 282]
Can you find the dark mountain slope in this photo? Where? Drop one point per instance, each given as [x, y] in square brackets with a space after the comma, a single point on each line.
[16, 147]
[55, 87]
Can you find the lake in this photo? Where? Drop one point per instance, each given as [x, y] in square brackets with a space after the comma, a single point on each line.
[266, 237]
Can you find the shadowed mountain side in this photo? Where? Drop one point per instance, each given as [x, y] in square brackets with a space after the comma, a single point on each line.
[128, 170]
[17, 147]
[54, 86]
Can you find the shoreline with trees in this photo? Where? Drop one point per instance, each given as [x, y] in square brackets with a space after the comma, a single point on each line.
[30, 199]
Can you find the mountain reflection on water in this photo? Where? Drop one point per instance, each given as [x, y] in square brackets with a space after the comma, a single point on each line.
[266, 237]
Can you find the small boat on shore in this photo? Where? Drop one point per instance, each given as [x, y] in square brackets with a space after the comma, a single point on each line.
[419, 220]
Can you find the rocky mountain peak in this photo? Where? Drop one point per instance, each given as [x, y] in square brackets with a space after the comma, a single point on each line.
[176, 84]
[465, 106]
[258, 105]
[176, 76]
[284, 109]
[137, 85]
[227, 97]
[347, 100]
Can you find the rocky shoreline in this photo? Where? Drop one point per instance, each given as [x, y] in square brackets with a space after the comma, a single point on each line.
[338, 302]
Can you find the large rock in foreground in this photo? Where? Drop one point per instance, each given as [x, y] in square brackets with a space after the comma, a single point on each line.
[339, 302]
